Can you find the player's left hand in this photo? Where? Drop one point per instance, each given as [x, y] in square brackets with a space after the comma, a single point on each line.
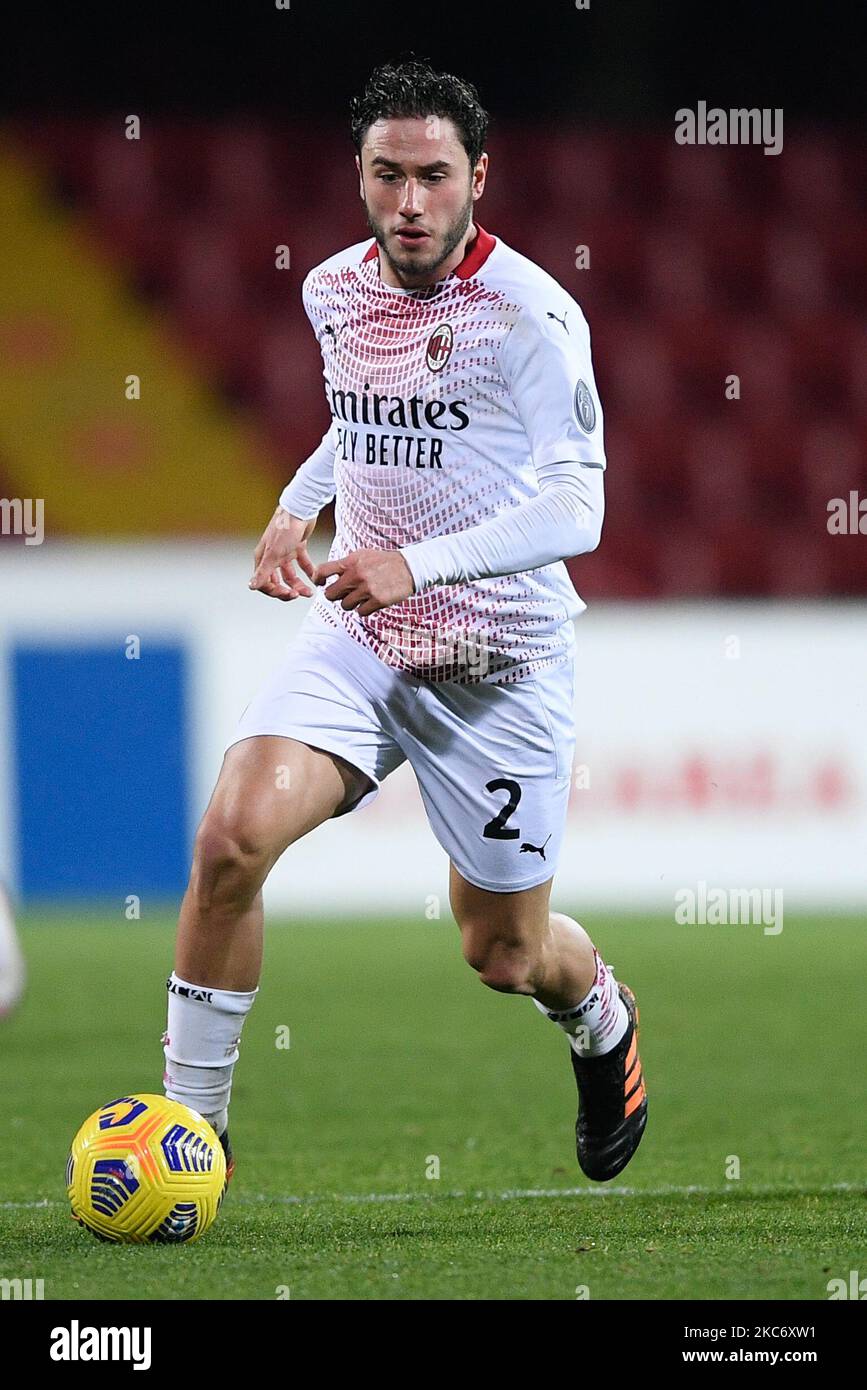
[367, 580]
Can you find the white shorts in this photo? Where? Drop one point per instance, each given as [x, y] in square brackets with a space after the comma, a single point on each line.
[493, 762]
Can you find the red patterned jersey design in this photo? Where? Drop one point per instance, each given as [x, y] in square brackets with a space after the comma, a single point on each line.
[441, 399]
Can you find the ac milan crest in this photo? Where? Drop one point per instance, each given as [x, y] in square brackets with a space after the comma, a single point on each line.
[439, 348]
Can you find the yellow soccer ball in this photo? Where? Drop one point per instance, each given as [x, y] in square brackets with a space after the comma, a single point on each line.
[143, 1169]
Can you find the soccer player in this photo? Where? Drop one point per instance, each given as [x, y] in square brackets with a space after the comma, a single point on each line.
[466, 456]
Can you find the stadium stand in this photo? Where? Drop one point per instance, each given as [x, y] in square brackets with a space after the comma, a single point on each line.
[704, 263]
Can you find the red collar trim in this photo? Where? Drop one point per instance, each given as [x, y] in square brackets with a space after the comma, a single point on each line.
[478, 252]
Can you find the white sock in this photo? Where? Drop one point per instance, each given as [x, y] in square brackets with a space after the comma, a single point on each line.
[201, 1046]
[596, 1024]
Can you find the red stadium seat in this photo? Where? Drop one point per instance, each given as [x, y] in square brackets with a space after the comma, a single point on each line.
[833, 459]
[798, 563]
[698, 183]
[814, 178]
[796, 270]
[676, 270]
[240, 171]
[761, 354]
[640, 374]
[717, 472]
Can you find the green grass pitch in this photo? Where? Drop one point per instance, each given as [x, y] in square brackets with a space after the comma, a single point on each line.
[753, 1051]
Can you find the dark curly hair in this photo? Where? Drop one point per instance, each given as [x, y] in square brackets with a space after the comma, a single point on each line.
[412, 88]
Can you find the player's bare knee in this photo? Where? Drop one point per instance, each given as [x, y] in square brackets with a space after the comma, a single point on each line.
[229, 861]
[506, 966]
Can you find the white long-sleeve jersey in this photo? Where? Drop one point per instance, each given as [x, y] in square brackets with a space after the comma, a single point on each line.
[467, 433]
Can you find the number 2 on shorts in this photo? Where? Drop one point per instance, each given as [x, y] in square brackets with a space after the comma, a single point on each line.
[496, 828]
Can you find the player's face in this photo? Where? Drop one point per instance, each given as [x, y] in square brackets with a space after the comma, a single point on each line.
[418, 188]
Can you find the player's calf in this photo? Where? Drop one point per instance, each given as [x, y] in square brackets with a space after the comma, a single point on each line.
[253, 816]
[555, 962]
[518, 946]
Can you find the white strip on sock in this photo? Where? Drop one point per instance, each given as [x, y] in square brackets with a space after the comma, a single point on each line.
[597, 1024]
[201, 1046]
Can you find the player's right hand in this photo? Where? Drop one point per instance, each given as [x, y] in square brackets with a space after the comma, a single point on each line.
[282, 547]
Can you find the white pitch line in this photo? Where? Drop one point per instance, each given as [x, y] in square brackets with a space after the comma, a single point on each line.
[515, 1194]
[518, 1194]
[24, 1206]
